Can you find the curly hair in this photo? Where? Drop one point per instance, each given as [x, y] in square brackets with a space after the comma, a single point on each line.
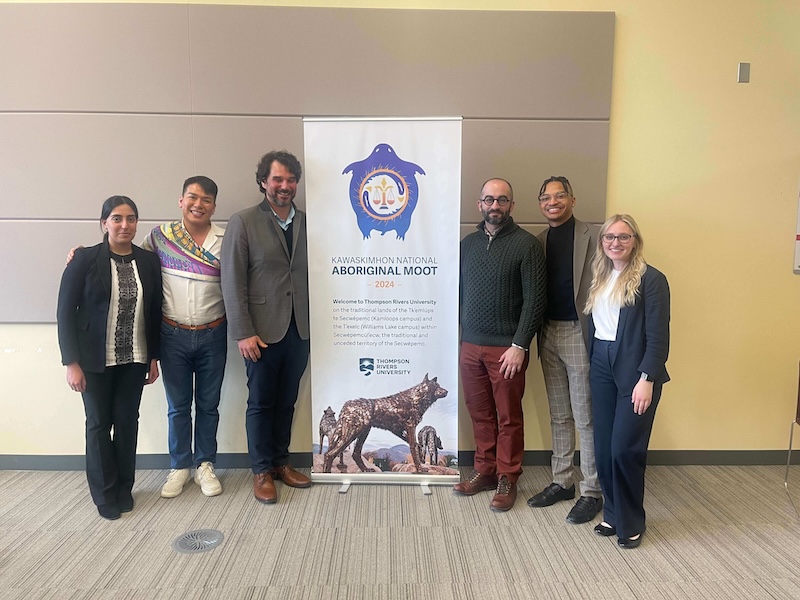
[287, 159]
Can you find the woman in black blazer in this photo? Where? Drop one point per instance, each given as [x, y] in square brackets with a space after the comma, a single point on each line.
[628, 306]
[109, 316]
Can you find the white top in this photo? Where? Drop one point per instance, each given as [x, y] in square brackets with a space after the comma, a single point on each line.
[189, 299]
[605, 313]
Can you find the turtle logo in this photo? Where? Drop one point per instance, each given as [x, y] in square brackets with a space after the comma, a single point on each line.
[383, 192]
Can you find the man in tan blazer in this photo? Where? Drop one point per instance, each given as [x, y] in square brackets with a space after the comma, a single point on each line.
[265, 289]
[569, 247]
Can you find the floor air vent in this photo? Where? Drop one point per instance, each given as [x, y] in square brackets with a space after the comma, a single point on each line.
[198, 540]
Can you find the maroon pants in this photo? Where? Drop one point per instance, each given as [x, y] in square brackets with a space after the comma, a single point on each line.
[495, 406]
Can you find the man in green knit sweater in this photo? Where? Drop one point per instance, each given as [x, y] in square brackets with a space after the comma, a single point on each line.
[502, 302]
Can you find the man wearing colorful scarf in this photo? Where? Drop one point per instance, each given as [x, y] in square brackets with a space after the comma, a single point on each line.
[193, 335]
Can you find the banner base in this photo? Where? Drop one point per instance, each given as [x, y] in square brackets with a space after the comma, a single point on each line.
[398, 479]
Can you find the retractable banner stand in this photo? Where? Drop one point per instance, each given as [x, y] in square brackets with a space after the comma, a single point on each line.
[383, 205]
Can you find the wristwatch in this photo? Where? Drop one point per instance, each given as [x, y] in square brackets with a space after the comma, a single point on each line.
[646, 377]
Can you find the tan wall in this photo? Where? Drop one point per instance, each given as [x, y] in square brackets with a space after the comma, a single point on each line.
[710, 169]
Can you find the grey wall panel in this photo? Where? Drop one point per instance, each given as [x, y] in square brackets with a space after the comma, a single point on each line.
[526, 153]
[228, 150]
[94, 57]
[315, 61]
[132, 99]
[30, 282]
[88, 157]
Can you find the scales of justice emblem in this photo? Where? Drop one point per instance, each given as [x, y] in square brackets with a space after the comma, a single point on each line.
[383, 192]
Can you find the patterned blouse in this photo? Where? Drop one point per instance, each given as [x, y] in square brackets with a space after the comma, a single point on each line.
[125, 336]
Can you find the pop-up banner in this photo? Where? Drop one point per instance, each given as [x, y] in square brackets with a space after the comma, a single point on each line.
[383, 206]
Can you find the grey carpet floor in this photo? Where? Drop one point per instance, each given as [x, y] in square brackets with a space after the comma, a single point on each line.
[713, 532]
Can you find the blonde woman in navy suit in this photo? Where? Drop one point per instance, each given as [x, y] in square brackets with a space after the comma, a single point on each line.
[628, 306]
[109, 318]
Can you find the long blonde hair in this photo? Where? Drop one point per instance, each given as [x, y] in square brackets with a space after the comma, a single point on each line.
[627, 285]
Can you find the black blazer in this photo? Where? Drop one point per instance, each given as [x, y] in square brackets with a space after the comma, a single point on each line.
[642, 334]
[83, 301]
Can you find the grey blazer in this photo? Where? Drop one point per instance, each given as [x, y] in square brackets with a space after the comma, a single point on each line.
[262, 283]
[584, 249]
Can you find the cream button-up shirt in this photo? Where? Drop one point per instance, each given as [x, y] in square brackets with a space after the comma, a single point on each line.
[192, 301]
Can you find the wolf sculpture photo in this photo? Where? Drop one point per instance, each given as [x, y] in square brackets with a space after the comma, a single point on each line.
[429, 445]
[327, 425]
[399, 413]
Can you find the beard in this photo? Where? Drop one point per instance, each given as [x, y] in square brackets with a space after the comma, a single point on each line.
[276, 200]
[495, 217]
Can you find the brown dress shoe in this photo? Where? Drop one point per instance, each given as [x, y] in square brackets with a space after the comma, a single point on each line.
[264, 488]
[291, 477]
[505, 496]
[475, 483]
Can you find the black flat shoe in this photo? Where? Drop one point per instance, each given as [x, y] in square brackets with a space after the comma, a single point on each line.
[108, 511]
[125, 504]
[630, 543]
[605, 530]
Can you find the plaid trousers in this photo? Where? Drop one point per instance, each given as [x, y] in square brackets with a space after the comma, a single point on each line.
[565, 365]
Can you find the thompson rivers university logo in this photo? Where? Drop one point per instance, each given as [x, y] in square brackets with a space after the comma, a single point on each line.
[384, 366]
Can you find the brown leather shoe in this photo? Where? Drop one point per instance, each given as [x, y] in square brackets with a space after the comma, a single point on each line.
[264, 488]
[475, 483]
[505, 496]
[291, 477]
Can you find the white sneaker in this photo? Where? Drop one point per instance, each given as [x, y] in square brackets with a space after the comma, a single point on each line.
[205, 477]
[176, 479]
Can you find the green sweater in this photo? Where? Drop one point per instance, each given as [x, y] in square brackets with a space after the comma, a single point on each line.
[503, 287]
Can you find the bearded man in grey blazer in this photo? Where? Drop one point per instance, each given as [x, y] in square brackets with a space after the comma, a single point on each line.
[569, 246]
[265, 289]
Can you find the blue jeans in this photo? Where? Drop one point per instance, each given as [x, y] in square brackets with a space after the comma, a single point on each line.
[193, 364]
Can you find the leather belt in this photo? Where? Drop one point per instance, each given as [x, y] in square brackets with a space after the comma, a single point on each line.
[211, 325]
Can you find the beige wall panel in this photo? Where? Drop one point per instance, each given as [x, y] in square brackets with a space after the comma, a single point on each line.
[30, 283]
[90, 57]
[88, 158]
[526, 153]
[228, 149]
[316, 61]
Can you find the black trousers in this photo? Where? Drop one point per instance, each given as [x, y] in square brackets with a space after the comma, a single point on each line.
[273, 381]
[111, 401]
[621, 438]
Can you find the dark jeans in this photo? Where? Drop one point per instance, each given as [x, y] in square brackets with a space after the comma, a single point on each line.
[621, 438]
[193, 364]
[273, 381]
[111, 400]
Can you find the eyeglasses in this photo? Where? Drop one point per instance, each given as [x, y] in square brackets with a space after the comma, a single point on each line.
[489, 200]
[623, 238]
[559, 196]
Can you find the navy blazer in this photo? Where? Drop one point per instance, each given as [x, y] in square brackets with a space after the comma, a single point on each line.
[642, 344]
[83, 301]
